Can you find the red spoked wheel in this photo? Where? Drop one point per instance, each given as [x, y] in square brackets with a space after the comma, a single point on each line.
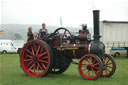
[65, 33]
[36, 58]
[90, 67]
[109, 66]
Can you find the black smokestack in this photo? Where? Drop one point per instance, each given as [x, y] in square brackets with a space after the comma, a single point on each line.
[96, 24]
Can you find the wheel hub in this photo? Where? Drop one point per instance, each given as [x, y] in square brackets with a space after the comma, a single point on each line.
[35, 58]
[89, 67]
[104, 66]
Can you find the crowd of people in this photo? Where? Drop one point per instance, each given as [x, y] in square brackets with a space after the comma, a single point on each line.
[42, 32]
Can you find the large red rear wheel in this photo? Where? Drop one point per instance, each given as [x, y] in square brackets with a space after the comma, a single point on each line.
[90, 67]
[109, 66]
[36, 58]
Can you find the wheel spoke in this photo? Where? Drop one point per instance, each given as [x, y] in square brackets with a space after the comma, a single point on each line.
[42, 54]
[104, 59]
[108, 61]
[29, 63]
[45, 57]
[31, 67]
[85, 62]
[96, 72]
[27, 59]
[88, 73]
[108, 70]
[37, 68]
[95, 64]
[43, 61]
[84, 69]
[29, 56]
[105, 71]
[94, 61]
[29, 52]
[109, 66]
[32, 51]
[41, 49]
[93, 72]
[37, 50]
[90, 60]
[40, 67]
[34, 47]
[64, 34]
[34, 66]
[43, 65]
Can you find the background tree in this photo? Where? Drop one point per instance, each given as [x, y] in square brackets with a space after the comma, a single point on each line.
[18, 36]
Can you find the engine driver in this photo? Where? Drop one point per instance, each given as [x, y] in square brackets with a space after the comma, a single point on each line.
[43, 31]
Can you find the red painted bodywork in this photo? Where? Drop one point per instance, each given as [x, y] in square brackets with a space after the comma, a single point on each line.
[73, 50]
[82, 36]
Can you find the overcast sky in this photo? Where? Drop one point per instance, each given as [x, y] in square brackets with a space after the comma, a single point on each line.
[73, 12]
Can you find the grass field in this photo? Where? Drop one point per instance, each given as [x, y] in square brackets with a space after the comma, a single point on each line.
[12, 74]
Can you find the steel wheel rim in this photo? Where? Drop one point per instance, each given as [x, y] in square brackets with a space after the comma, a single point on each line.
[109, 66]
[39, 65]
[94, 71]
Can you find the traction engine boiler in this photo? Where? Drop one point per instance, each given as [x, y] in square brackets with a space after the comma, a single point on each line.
[56, 51]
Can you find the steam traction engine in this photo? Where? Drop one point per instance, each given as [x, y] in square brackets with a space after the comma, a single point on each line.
[54, 54]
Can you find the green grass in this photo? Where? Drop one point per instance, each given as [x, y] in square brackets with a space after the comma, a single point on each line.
[12, 74]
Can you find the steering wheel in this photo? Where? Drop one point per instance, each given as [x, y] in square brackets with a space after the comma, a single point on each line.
[63, 32]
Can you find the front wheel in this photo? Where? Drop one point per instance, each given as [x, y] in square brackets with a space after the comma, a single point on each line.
[90, 67]
[109, 66]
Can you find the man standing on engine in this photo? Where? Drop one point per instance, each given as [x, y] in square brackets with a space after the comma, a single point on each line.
[43, 31]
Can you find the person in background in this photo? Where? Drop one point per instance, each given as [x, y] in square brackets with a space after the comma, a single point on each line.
[30, 34]
[43, 31]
